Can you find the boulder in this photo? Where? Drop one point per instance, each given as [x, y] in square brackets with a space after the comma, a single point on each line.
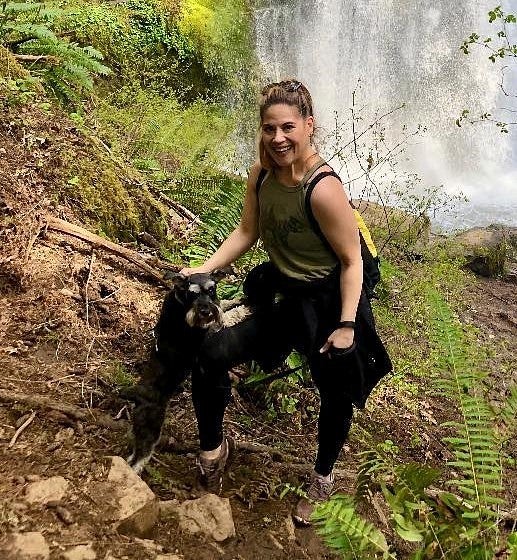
[487, 251]
[46, 490]
[209, 515]
[135, 507]
[26, 546]
[80, 552]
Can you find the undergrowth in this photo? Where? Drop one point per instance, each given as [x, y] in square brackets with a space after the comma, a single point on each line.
[454, 513]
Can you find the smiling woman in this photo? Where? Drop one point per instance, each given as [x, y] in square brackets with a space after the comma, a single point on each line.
[322, 310]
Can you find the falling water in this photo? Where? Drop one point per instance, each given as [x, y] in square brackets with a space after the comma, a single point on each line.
[402, 52]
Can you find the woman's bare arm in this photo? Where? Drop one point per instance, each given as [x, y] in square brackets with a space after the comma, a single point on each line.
[337, 222]
[242, 237]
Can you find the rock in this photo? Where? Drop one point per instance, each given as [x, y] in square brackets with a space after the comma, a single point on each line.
[65, 515]
[487, 251]
[27, 546]
[136, 506]
[168, 557]
[47, 490]
[33, 477]
[210, 515]
[80, 552]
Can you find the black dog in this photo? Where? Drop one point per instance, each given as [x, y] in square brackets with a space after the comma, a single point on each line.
[190, 311]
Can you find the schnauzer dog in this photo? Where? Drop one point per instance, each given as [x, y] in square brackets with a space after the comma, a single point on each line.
[190, 311]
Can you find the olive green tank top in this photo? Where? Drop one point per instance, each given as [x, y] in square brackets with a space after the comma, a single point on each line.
[286, 233]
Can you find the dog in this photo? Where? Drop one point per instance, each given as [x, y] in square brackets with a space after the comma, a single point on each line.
[189, 312]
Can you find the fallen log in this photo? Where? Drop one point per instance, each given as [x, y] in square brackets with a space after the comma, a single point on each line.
[62, 226]
[86, 415]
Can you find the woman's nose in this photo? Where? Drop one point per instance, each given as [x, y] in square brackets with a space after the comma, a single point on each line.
[279, 136]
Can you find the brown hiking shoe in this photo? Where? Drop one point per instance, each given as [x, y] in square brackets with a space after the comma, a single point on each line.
[319, 491]
[210, 471]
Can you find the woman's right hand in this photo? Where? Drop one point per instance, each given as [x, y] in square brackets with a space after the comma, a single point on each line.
[187, 271]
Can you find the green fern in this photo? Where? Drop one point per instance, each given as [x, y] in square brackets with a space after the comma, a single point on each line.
[66, 68]
[476, 446]
[344, 530]
[219, 221]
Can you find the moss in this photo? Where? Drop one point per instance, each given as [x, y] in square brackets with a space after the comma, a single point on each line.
[9, 67]
[14, 79]
[110, 196]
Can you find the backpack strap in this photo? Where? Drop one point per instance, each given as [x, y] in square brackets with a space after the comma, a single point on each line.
[260, 179]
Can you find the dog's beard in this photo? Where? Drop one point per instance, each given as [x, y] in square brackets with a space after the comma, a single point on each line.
[213, 319]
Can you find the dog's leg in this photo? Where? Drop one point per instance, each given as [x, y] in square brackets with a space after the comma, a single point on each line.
[148, 418]
[151, 396]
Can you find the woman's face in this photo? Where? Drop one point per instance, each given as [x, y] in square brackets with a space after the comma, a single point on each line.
[286, 134]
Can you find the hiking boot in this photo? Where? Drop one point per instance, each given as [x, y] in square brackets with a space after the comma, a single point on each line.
[210, 471]
[319, 491]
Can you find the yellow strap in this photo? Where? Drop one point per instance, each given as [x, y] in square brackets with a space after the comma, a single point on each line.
[365, 232]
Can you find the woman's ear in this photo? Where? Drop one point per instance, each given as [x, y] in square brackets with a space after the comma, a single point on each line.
[309, 123]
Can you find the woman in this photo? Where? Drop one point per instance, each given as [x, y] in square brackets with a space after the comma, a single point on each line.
[309, 297]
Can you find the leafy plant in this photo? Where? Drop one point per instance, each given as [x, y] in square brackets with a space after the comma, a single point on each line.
[66, 68]
[461, 520]
[500, 47]
[345, 531]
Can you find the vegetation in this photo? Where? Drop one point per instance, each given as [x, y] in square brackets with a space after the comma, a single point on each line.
[452, 514]
[501, 48]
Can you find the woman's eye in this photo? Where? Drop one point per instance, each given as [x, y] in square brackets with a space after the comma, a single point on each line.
[288, 128]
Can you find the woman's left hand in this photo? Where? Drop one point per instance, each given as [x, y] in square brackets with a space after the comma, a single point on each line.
[340, 339]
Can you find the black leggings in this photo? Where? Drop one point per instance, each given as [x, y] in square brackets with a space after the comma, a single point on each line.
[265, 335]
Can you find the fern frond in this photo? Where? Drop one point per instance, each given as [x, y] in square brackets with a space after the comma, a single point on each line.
[222, 218]
[475, 447]
[344, 530]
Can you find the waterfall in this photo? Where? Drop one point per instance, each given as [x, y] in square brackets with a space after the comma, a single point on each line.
[404, 52]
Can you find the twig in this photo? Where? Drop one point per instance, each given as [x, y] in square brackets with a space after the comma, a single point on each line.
[32, 240]
[36, 58]
[21, 428]
[86, 288]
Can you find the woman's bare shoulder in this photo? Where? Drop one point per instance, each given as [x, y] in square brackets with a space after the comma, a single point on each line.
[254, 173]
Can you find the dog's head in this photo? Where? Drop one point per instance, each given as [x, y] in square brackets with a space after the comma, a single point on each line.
[197, 293]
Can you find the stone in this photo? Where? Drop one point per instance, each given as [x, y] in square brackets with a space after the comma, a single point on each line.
[209, 514]
[168, 557]
[487, 251]
[47, 490]
[80, 552]
[136, 506]
[27, 546]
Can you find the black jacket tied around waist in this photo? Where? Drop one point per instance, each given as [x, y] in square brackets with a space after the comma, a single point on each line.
[315, 309]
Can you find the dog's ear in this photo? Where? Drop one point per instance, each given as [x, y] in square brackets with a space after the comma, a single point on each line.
[220, 274]
[175, 278]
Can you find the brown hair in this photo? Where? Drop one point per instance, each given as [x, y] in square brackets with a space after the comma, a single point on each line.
[287, 92]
